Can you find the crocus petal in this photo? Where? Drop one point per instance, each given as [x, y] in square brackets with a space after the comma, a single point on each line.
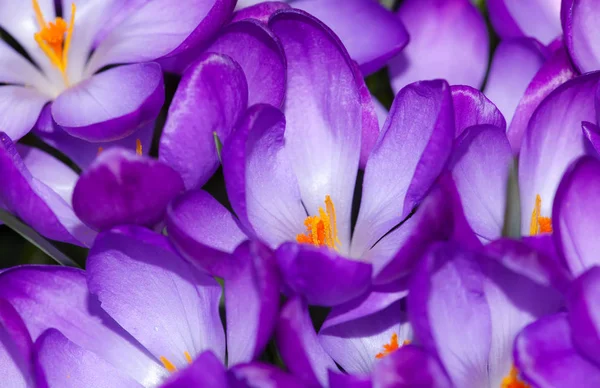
[480, 168]
[262, 375]
[582, 303]
[16, 347]
[203, 231]
[210, 99]
[260, 11]
[205, 371]
[343, 380]
[83, 152]
[371, 33]
[446, 297]
[370, 119]
[515, 63]
[546, 357]
[592, 134]
[167, 305]
[321, 275]
[323, 114]
[438, 30]
[580, 32]
[15, 69]
[57, 297]
[471, 107]
[539, 19]
[574, 213]
[19, 109]
[354, 345]
[381, 112]
[553, 73]
[160, 28]
[553, 140]
[37, 204]
[300, 349]
[258, 52]
[251, 302]
[65, 364]
[411, 151]
[113, 104]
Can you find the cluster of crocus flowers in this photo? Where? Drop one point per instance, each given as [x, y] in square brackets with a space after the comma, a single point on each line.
[445, 242]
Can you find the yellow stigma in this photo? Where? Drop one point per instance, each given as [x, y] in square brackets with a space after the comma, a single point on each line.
[512, 380]
[51, 38]
[169, 365]
[391, 347]
[539, 224]
[321, 230]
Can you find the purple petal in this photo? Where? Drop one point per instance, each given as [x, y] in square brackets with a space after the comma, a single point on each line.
[438, 30]
[15, 69]
[323, 114]
[175, 27]
[471, 107]
[554, 72]
[19, 109]
[16, 347]
[574, 215]
[65, 364]
[203, 231]
[251, 302]
[83, 152]
[581, 32]
[515, 63]
[163, 302]
[411, 151]
[321, 275]
[57, 297]
[582, 303]
[592, 134]
[113, 104]
[446, 297]
[480, 168]
[261, 375]
[39, 205]
[298, 345]
[121, 187]
[539, 19]
[370, 119]
[343, 380]
[553, 140]
[210, 99]
[260, 11]
[260, 55]
[546, 357]
[371, 33]
[206, 370]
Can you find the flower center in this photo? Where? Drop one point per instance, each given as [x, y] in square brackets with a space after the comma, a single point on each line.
[321, 230]
[169, 365]
[391, 347]
[512, 380]
[539, 224]
[52, 40]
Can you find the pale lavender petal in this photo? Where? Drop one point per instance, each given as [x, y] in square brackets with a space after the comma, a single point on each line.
[15, 69]
[261, 11]
[471, 107]
[581, 32]
[19, 109]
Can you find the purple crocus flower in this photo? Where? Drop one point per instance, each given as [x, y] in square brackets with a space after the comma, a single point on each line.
[140, 312]
[291, 179]
[71, 51]
[466, 309]
[580, 33]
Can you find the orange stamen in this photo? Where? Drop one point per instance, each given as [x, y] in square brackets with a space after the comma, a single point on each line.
[321, 230]
[188, 357]
[168, 364]
[512, 380]
[138, 147]
[100, 149]
[539, 224]
[391, 347]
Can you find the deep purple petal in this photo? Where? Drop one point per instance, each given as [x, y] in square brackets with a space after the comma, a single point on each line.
[210, 99]
[166, 304]
[554, 72]
[259, 375]
[260, 11]
[113, 104]
[592, 134]
[323, 114]
[205, 371]
[203, 231]
[581, 32]
[546, 357]
[343, 380]
[251, 302]
[16, 347]
[39, 205]
[371, 33]
[298, 345]
[553, 140]
[411, 151]
[439, 29]
[515, 63]
[321, 275]
[260, 55]
[57, 297]
[471, 107]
